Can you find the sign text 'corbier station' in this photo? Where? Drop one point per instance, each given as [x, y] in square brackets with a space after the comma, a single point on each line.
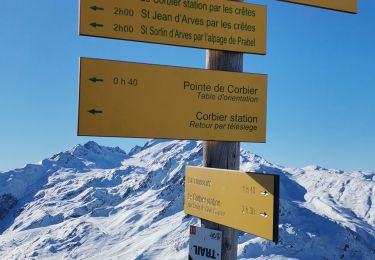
[220, 24]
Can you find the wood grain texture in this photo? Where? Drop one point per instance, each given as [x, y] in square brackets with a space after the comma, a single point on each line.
[224, 155]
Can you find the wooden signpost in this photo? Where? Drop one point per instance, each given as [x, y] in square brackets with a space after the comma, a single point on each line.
[121, 101]
[140, 100]
[224, 155]
[245, 201]
[220, 24]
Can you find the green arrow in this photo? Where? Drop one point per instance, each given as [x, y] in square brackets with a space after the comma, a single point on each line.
[94, 24]
[94, 79]
[96, 8]
[94, 111]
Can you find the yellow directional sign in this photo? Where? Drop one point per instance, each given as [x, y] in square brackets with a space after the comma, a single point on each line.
[349, 6]
[245, 201]
[220, 24]
[139, 100]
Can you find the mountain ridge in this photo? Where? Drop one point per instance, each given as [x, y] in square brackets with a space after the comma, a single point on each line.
[99, 202]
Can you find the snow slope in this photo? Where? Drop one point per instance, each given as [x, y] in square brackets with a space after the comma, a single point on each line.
[95, 202]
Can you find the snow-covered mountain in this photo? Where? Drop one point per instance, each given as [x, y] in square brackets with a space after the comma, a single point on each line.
[95, 202]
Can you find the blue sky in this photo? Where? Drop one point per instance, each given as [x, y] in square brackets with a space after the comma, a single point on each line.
[321, 67]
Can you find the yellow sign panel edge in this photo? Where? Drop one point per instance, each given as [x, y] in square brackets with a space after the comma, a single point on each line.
[158, 65]
[347, 10]
[276, 186]
[171, 66]
[182, 45]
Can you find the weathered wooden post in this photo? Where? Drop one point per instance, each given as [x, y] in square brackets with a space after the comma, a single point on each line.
[224, 155]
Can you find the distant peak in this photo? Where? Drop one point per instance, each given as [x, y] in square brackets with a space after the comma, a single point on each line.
[153, 142]
[313, 168]
[91, 145]
[136, 149]
[95, 148]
